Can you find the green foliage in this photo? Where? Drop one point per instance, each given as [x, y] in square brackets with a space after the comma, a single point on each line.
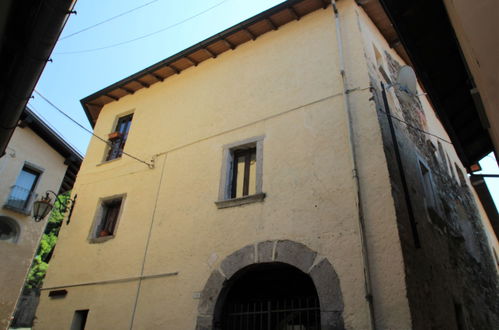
[36, 273]
[47, 243]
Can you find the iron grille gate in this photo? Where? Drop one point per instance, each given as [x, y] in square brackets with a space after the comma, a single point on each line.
[273, 314]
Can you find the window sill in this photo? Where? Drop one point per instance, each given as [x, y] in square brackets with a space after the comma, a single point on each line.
[101, 239]
[108, 161]
[240, 201]
[24, 211]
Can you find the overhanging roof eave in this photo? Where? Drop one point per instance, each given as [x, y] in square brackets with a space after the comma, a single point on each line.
[182, 54]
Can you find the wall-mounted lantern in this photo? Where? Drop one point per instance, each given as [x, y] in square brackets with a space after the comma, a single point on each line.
[42, 207]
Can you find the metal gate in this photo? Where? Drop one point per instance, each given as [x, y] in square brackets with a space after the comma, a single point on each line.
[301, 313]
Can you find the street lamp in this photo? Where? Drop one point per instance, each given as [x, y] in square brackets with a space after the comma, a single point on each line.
[43, 206]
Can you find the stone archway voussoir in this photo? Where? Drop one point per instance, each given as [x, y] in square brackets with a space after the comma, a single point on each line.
[295, 254]
[323, 275]
[327, 284]
[238, 260]
[210, 294]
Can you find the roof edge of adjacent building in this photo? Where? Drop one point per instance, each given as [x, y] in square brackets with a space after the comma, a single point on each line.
[50, 136]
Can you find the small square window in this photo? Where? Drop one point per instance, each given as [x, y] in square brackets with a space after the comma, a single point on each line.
[117, 139]
[107, 218]
[241, 180]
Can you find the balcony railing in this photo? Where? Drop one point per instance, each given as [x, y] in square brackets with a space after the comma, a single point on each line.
[20, 199]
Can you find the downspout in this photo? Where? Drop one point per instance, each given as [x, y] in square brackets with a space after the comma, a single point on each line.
[355, 176]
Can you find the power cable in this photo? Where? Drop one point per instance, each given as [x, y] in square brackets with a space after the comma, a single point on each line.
[414, 127]
[145, 35]
[107, 20]
[45, 120]
[150, 165]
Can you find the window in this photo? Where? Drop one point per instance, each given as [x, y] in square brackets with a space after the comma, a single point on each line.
[460, 174]
[460, 319]
[79, 320]
[452, 174]
[243, 174]
[107, 218]
[241, 180]
[441, 154]
[429, 194]
[22, 193]
[118, 138]
[379, 65]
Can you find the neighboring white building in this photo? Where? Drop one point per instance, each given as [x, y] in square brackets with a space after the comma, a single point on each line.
[36, 160]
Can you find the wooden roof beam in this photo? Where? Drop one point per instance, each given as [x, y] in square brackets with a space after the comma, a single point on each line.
[157, 77]
[210, 52]
[129, 91]
[174, 68]
[271, 23]
[112, 97]
[394, 43]
[294, 13]
[251, 34]
[69, 175]
[193, 62]
[228, 43]
[143, 84]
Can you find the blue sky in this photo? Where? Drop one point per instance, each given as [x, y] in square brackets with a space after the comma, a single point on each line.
[85, 62]
[77, 71]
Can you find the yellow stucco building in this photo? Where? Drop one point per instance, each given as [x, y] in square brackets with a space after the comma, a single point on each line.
[250, 183]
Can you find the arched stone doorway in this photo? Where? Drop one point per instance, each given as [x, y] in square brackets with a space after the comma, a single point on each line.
[268, 296]
[274, 259]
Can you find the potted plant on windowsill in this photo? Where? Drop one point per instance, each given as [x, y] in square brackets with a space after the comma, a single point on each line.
[104, 233]
[114, 135]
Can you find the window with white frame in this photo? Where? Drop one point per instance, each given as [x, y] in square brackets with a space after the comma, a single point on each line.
[241, 179]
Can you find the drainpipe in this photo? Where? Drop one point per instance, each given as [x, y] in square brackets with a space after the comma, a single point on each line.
[353, 159]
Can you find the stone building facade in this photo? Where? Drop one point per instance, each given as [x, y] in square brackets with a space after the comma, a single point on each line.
[257, 188]
[36, 160]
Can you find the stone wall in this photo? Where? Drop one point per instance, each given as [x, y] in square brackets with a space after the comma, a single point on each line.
[26, 308]
[451, 278]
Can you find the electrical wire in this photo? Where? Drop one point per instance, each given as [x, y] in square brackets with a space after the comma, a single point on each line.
[109, 19]
[38, 114]
[414, 127]
[143, 36]
[150, 165]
